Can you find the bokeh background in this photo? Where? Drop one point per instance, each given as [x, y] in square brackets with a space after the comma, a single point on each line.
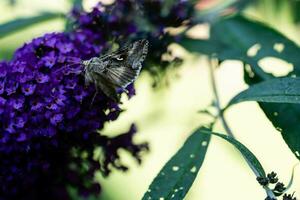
[167, 114]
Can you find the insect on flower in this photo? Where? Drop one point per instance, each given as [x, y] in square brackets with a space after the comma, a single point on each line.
[115, 70]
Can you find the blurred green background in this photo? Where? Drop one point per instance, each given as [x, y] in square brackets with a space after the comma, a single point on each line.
[166, 115]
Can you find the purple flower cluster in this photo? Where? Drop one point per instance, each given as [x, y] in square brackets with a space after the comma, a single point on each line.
[46, 112]
[48, 125]
[131, 20]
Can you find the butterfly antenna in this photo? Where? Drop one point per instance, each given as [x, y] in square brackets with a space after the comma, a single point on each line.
[72, 57]
[60, 69]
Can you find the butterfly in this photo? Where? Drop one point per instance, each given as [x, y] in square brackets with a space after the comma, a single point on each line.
[116, 70]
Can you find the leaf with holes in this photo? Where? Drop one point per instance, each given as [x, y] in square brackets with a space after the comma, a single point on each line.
[176, 177]
[240, 35]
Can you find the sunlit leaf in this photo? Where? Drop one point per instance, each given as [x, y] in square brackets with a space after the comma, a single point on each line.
[25, 22]
[176, 177]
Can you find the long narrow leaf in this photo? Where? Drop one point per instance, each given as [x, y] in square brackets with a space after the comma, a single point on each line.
[279, 90]
[248, 155]
[289, 185]
[21, 23]
[177, 176]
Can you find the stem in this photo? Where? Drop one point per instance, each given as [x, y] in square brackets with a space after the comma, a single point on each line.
[217, 99]
[224, 123]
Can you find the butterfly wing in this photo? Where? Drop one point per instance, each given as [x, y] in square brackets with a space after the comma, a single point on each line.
[138, 53]
[106, 87]
[125, 65]
[122, 76]
[118, 69]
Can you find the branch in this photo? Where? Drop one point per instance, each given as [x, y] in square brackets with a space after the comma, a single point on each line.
[213, 63]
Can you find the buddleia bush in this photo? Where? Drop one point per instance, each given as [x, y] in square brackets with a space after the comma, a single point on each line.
[50, 123]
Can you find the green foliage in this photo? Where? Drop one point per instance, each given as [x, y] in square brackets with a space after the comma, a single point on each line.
[12, 2]
[248, 155]
[231, 38]
[217, 11]
[279, 90]
[176, 177]
[167, 5]
[22, 23]
[77, 4]
[289, 185]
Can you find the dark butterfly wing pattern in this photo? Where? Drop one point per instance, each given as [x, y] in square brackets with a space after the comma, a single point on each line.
[106, 87]
[116, 70]
[121, 76]
[131, 58]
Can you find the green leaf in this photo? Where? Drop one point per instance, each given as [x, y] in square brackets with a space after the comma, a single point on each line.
[21, 23]
[231, 38]
[12, 2]
[248, 155]
[178, 174]
[289, 185]
[166, 7]
[217, 11]
[77, 4]
[279, 90]
[176, 177]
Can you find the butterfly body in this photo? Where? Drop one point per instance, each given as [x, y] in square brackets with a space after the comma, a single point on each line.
[116, 70]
